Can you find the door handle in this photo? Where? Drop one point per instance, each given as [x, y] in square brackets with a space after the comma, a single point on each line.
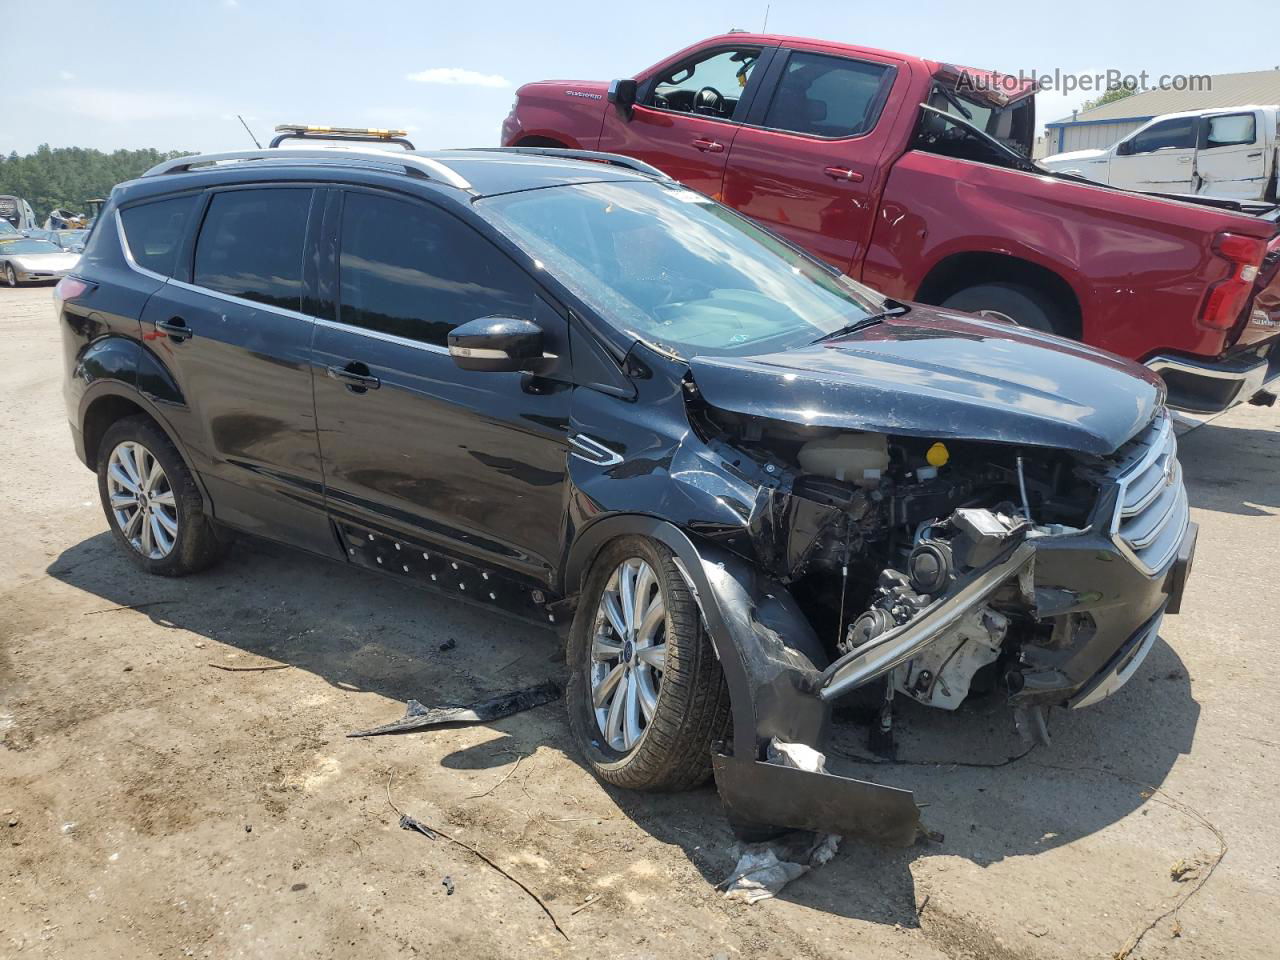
[176, 328]
[843, 173]
[356, 376]
[708, 146]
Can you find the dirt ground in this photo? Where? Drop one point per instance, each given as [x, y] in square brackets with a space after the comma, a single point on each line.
[154, 806]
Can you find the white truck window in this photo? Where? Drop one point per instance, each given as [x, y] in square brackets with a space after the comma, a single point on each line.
[1231, 130]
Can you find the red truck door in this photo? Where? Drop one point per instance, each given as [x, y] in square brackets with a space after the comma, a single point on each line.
[805, 163]
[687, 113]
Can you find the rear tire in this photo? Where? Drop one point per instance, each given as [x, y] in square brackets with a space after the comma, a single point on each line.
[152, 503]
[1023, 305]
[691, 712]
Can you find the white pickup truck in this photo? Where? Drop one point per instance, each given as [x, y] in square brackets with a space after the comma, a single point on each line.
[1227, 152]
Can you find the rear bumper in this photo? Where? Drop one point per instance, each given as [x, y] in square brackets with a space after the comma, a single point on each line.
[1197, 385]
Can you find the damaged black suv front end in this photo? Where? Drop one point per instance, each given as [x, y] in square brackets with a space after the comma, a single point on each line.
[931, 507]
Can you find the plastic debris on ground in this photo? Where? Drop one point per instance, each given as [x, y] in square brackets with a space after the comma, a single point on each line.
[763, 869]
[419, 717]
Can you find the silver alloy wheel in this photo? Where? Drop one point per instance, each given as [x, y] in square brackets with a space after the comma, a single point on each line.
[10, 276]
[142, 500]
[628, 654]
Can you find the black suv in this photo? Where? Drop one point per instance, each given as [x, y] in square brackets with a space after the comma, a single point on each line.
[562, 385]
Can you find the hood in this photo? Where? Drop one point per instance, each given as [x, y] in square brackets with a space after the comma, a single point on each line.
[1073, 156]
[931, 373]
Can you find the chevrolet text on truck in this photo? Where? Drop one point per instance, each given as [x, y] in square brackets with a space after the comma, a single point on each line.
[894, 171]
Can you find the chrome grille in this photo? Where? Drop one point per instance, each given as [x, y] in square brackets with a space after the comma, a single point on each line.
[1152, 510]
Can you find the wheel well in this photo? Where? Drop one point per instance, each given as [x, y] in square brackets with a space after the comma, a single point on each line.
[539, 142]
[964, 270]
[102, 413]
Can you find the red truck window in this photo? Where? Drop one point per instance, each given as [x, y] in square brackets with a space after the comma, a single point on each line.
[827, 96]
[711, 86]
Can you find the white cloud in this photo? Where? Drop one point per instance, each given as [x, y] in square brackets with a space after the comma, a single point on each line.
[454, 76]
[231, 4]
[66, 75]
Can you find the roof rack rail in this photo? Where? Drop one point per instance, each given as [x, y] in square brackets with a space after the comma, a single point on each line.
[410, 163]
[598, 156]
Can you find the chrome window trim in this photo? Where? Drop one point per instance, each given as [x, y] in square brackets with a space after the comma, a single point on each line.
[241, 301]
[379, 335]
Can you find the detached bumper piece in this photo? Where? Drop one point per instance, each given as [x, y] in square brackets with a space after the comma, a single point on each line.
[756, 793]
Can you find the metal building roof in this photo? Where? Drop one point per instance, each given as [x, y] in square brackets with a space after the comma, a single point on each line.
[1223, 90]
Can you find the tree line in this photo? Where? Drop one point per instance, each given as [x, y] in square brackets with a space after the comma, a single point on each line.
[68, 176]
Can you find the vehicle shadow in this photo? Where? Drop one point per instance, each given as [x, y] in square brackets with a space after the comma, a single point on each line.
[361, 631]
[1228, 468]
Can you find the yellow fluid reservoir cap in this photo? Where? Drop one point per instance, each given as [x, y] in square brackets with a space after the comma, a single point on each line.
[938, 455]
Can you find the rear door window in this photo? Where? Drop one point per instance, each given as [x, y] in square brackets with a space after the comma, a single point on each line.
[1233, 130]
[413, 271]
[1179, 133]
[251, 243]
[155, 231]
[827, 96]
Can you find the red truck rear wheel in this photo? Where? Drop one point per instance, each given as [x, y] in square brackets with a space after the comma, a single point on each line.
[1024, 305]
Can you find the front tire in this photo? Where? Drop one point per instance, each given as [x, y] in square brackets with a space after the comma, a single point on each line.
[152, 502]
[646, 695]
[10, 275]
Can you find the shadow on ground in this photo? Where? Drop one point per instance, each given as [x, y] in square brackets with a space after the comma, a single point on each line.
[360, 631]
[1231, 469]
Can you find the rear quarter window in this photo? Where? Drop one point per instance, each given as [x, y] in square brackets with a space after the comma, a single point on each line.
[155, 231]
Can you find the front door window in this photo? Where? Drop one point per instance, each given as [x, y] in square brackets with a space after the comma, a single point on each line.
[711, 86]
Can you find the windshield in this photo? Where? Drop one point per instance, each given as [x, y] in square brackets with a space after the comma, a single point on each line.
[671, 267]
[29, 246]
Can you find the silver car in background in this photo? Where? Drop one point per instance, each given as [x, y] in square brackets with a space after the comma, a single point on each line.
[25, 259]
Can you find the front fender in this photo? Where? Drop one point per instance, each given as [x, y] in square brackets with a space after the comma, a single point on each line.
[770, 656]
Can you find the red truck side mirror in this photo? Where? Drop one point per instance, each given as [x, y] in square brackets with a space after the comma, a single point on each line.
[622, 94]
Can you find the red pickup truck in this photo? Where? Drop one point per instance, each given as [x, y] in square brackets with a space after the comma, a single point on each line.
[913, 176]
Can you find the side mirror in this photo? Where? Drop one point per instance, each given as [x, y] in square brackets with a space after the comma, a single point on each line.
[622, 93]
[1124, 148]
[496, 345]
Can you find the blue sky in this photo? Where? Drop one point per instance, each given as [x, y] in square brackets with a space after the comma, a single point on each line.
[132, 73]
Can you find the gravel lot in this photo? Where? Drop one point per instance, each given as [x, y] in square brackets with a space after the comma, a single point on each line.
[155, 806]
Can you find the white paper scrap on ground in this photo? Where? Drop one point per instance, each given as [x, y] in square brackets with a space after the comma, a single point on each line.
[763, 869]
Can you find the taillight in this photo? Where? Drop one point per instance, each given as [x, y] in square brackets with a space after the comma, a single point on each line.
[69, 288]
[1226, 298]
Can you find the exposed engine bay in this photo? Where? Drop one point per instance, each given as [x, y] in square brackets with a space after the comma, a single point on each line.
[872, 531]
